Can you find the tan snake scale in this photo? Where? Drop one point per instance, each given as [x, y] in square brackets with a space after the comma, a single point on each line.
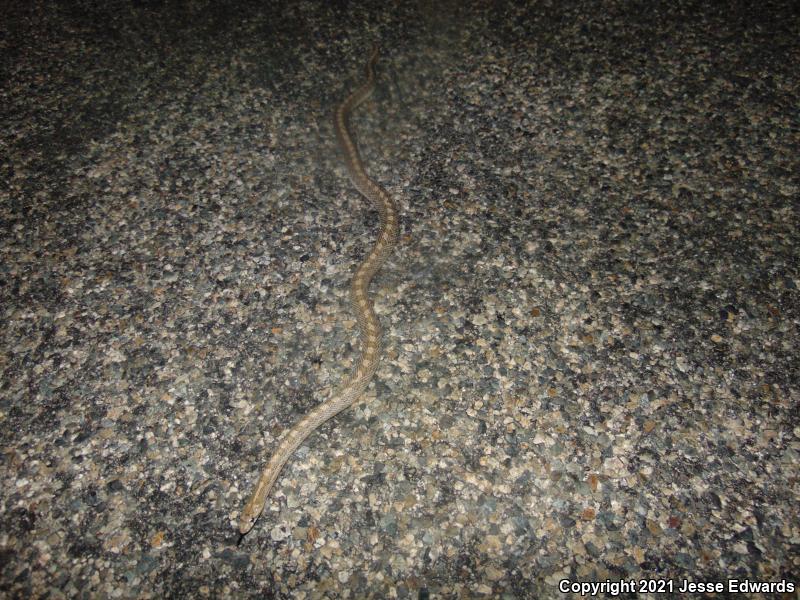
[369, 326]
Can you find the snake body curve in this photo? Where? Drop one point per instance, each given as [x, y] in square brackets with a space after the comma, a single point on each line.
[369, 326]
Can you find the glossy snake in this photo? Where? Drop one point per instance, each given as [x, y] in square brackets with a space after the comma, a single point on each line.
[369, 326]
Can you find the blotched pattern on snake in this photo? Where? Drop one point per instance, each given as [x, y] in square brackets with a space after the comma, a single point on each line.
[369, 326]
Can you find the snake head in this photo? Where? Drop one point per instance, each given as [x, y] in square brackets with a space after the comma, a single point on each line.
[248, 518]
[252, 510]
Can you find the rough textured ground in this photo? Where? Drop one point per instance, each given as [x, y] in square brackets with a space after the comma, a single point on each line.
[591, 368]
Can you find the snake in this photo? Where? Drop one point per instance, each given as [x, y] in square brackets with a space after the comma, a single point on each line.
[351, 388]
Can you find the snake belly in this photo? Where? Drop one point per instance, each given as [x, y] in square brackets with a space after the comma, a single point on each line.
[369, 326]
